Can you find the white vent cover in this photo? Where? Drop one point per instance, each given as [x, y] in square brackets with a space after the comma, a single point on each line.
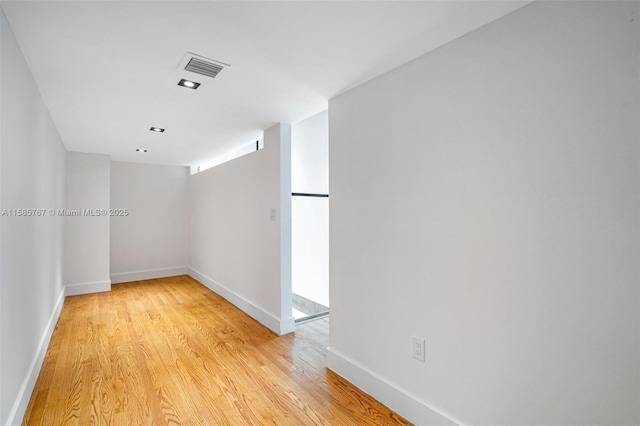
[201, 65]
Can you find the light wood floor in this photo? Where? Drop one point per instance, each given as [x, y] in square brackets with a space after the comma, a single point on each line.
[169, 351]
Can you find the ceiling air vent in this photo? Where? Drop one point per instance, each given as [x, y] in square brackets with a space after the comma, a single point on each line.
[201, 65]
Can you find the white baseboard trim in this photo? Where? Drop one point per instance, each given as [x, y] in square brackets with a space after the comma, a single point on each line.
[87, 288]
[149, 274]
[280, 327]
[402, 402]
[24, 394]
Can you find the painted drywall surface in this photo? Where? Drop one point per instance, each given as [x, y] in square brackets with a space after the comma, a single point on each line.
[87, 235]
[2, 23]
[310, 155]
[280, 135]
[2, 20]
[310, 248]
[233, 240]
[485, 197]
[153, 233]
[32, 177]
[310, 216]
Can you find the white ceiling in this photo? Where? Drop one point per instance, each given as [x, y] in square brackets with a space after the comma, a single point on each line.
[108, 70]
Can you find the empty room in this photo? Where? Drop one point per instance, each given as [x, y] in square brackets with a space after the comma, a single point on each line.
[320, 212]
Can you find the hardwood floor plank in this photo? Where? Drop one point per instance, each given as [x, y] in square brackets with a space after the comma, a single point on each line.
[169, 351]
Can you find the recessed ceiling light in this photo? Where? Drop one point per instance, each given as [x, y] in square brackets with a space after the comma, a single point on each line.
[141, 150]
[156, 129]
[188, 84]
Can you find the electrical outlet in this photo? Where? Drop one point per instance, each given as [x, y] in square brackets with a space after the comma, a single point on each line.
[418, 348]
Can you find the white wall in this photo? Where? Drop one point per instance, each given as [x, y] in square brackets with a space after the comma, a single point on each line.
[310, 248]
[235, 247]
[2, 24]
[310, 154]
[32, 175]
[152, 241]
[87, 235]
[310, 215]
[486, 197]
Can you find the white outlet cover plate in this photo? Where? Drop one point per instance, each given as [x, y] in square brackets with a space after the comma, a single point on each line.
[417, 348]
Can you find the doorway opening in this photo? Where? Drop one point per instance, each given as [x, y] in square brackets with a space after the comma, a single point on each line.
[310, 218]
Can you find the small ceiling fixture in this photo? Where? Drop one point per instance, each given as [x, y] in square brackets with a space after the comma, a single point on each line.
[201, 65]
[141, 150]
[189, 84]
[156, 129]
